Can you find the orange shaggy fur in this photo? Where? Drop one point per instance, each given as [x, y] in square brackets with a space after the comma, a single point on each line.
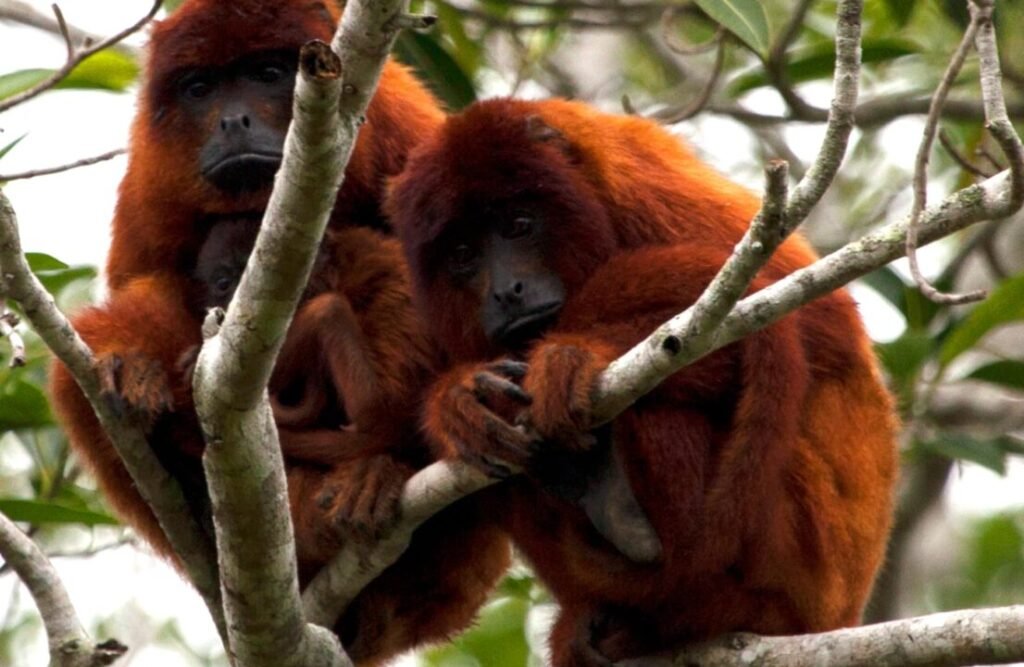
[766, 468]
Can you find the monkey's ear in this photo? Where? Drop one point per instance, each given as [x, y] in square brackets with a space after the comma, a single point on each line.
[538, 130]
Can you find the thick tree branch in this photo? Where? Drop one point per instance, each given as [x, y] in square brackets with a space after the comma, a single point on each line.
[243, 462]
[977, 636]
[157, 487]
[75, 56]
[70, 645]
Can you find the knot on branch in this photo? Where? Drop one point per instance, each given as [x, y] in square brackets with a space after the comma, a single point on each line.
[318, 61]
[403, 21]
[213, 322]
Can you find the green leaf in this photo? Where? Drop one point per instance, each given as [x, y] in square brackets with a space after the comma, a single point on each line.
[903, 357]
[107, 70]
[38, 511]
[744, 18]
[15, 82]
[435, 66]
[171, 5]
[7, 149]
[889, 286]
[56, 281]
[1005, 304]
[468, 52]
[498, 639]
[988, 453]
[818, 62]
[38, 261]
[900, 11]
[1006, 373]
[23, 405]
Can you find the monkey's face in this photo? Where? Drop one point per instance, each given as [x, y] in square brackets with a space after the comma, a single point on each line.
[239, 114]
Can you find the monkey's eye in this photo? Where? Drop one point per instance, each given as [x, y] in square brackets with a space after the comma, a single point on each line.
[462, 258]
[196, 86]
[268, 73]
[223, 284]
[517, 227]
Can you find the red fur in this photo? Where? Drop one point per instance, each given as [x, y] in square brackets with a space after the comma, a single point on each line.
[342, 483]
[162, 205]
[766, 468]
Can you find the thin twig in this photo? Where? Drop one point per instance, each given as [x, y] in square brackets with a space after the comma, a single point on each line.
[671, 116]
[9, 320]
[776, 63]
[996, 115]
[26, 14]
[70, 646]
[46, 171]
[811, 188]
[680, 47]
[960, 158]
[790, 32]
[921, 173]
[871, 114]
[75, 56]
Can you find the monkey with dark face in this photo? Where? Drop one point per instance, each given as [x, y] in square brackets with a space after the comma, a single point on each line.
[553, 234]
[205, 142]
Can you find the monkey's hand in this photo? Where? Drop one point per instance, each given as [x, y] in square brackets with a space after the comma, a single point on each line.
[134, 385]
[469, 415]
[562, 379]
[360, 499]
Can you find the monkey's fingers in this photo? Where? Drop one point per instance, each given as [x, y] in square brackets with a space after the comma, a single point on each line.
[134, 384]
[362, 500]
[486, 384]
[510, 368]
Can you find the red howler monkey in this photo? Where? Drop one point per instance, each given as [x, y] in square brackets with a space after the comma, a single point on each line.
[205, 142]
[556, 235]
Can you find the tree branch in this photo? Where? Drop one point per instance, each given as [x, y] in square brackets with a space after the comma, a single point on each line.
[75, 55]
[25, 14]
[428, 492]
[873, 113]
[921, 171]
[8, 321]
[70, 645]
[46, 171]
[243, 463]
[977, 636]
[156, 486]
[242, 460]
